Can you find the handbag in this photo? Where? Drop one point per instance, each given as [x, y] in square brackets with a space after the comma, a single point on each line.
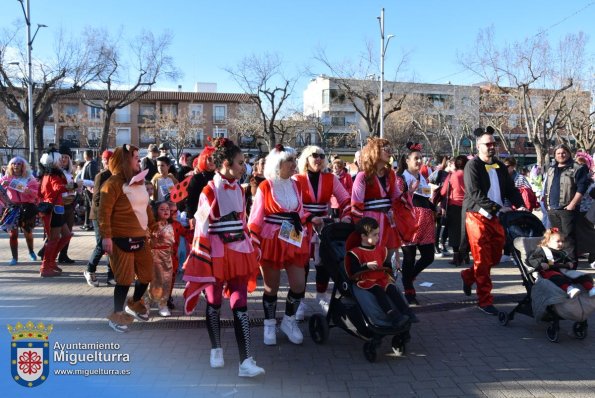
[130, 245]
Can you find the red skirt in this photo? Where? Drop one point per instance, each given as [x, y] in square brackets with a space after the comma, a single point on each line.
[279, 254]
[233, 264]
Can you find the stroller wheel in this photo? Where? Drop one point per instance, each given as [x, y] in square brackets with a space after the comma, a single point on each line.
[370, 351]
[504, 318]
[398, 345]
[553, 333]
[319, 330]
[580, 329]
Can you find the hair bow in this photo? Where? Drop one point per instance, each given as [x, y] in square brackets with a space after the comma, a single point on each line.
[416, 147]
[554, 230]
[280, 148]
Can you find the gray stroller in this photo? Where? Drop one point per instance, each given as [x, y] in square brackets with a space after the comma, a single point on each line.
[544, 300]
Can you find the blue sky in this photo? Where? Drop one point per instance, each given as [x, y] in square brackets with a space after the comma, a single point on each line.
[209, 36]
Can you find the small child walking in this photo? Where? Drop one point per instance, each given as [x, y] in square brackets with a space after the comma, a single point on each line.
[369, 266]
[179, 234]
[554, 264]
[162, 247]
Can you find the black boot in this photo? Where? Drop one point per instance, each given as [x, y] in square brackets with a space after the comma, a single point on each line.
[63, 257]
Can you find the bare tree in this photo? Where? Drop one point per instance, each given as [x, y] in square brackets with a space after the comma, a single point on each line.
[145, 59]
[75, 63]
[536, 75]
[264, 79]
[357, 84]
[178, 129]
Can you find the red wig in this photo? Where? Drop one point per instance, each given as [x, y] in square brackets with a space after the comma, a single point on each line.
[201, 160]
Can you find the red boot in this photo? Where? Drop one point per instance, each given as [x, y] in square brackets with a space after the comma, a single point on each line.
[48, 265]
[62, 243]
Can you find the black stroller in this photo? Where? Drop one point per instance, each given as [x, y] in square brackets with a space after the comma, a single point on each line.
[353, 309]
[524, 232]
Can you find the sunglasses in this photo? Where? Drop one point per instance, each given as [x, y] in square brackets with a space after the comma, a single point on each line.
[318, 156]
[490, 144]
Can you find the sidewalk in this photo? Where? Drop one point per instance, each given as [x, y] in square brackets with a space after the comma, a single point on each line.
[455, 350]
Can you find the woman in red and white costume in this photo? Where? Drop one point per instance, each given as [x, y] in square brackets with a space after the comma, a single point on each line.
[423, 209]
[375, 193]
[223, 255]
[318, 187]
[276, 211]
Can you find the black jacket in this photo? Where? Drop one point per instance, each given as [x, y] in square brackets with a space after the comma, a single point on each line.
[197, 183]
[477, 185]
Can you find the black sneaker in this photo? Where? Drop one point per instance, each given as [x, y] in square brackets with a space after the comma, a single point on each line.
[489, 309]
[170, 304]
[66, 260]
[467, 289]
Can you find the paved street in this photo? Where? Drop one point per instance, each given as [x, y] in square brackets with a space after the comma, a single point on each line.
[455, 350]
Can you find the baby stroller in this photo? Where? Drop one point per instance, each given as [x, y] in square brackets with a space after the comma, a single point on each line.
[544, 300]
[351, 308]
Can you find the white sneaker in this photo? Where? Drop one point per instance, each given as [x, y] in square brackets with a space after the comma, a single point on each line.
[164, 311]
[573, 291]
[592, 292]
[270, 331]
[300, 312]
[248, 368]
[592, 265]
[505, 258]
[290, 327]
[91, 279]
[217, 358]
[323, 300]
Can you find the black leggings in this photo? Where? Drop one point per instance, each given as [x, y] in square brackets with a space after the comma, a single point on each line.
[382, 297]
[412, 268]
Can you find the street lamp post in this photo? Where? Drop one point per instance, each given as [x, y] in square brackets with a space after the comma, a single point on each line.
[383, 48]
[30, 39]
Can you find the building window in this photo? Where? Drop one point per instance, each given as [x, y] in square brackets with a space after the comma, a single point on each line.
[199, 140]
[219, 113]
[338, 120]
[72, 137]
[146, 113]
[169, 110]
[71, 109]
[93, 137]
[122, 136]
[195, 111]
[94, 113]
[219, 133]
[333, 95]
[145, 136]
[123, 115]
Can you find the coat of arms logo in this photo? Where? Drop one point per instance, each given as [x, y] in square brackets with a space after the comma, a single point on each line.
[30, 353]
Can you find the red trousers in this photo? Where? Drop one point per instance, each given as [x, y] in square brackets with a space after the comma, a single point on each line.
[486, 238]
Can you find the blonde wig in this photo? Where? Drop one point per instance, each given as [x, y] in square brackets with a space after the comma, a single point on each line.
[25, 169]
[273, 160]
[302, 163]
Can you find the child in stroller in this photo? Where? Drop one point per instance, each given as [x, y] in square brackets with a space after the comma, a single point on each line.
[555, 265]
[544, 301]
[369, 267]
[352, 308]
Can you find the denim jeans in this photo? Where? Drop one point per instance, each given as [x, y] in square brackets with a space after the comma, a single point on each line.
[97, 253]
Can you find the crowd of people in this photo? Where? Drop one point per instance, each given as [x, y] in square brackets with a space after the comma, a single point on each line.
[228, 218]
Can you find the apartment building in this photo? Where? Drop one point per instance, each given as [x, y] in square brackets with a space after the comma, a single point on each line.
[325, 99]
[77, 123]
